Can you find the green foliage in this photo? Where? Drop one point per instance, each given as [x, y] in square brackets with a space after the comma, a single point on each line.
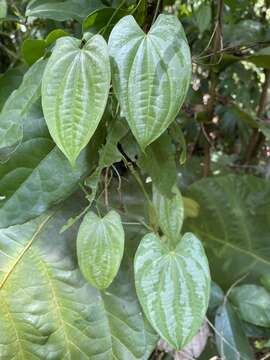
[75, 89]
[146, 72]
[133, 134]
[100, 248]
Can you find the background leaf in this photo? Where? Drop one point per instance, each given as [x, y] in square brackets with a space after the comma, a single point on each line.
[252, 303]
[232, 222]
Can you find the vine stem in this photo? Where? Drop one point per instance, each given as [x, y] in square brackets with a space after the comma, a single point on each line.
[217, 46]
[156, 11]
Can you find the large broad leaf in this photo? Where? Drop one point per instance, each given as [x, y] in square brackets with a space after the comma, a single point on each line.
[170, 213]
[9, 81]
[29, 184]
[151, 74]
[62, 10]
[75, 89]
[173, 286]
[100, 248]
[16, 108]
[48, 310]
[231, 340]
[233, 222]
[252, 303]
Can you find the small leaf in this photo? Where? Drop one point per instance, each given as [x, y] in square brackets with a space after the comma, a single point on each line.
[203, 16]
[16, 108]
[151, 74]
[231, 340]
[173, 286]
[265, 281]
[100, 248]
[252, 303]
[170, 213]
[75, 89]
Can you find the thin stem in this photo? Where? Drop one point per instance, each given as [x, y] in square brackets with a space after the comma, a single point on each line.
[156, 11]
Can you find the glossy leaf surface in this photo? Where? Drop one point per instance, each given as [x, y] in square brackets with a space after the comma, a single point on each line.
[151, 74]
[231, 340]
[100, 248]
[173, 286]
[54, 313]
[75, 88]
[232, 222]
[27, 183]
[252, 303]
[170, 213]
[63, 9]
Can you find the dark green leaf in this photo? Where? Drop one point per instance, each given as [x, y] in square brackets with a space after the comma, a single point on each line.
[62, 10]
[252, 303]
[232, 222]
[203, 16]
[33, 49]
[230, 337]
[158, 161]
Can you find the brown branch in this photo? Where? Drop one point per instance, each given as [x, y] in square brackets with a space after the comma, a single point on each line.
[256, 136]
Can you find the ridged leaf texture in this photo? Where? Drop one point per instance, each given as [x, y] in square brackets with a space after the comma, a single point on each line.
[170, 213]
[75, 89]
[100, 248]
[151, 74]
[47, 309]
[173, 286]
[233, 223]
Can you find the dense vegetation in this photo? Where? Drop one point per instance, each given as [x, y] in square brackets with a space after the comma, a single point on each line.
[134, 179]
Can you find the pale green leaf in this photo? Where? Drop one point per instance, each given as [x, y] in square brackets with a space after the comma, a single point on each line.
[252, 303]
[233, 222]
[170, 213]
[47, 309]
[151, 74]
[75, 89]
[100, 248]
[173, 286]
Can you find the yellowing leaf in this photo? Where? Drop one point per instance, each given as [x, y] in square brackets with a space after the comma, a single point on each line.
[75, 89]
[151, 74]
[100, 248]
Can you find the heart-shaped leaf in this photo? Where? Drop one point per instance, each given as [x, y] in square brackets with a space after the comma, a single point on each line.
[151, 74]
[75, 89]
[170, 213]
[173, 286]
[100, 248]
